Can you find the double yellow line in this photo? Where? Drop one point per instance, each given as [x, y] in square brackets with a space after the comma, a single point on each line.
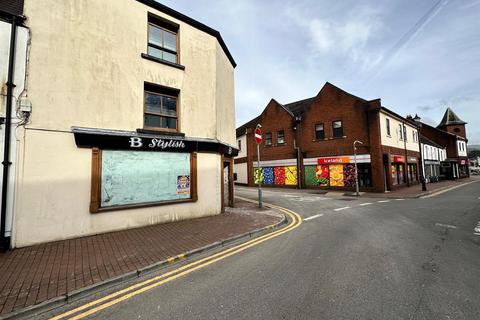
[124, 294]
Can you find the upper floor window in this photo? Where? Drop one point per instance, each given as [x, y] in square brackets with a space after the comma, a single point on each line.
[281, 137]
[160, 110]
[162, 39]
[414, 133]
[405, 132]
[388, 126]
[400, 129]
[337, 129]
[268, 139]
[319, 132]
[239, 145]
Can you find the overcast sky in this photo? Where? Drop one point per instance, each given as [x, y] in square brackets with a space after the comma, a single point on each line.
[417, 56]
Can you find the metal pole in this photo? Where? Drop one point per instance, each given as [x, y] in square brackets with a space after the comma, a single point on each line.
[356, 171]
[259, 175]
[8, 122]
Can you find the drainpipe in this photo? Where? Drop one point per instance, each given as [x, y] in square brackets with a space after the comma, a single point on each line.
[404, 128]
[5, 241]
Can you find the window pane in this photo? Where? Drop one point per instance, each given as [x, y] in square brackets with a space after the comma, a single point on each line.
[155, 35]
[152, 121]
[152, 103]
[170, 41]
[170, 123]
[154, 52]
[169, 106]
[281, 137]
[319, 127]
[337, 124]
[169, 57]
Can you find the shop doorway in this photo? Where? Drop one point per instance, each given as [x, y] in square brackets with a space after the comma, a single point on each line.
[227, 183]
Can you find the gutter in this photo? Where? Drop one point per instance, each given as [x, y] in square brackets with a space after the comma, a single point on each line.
[5, 241]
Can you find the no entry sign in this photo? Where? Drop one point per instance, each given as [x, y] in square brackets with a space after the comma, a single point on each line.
[258, 136]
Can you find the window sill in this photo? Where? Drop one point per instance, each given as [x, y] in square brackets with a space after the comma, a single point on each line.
[168, 63]
[336, 138]
[143, 205]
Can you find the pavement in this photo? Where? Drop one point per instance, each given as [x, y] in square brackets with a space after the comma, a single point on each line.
[351, 258]
[59, 270]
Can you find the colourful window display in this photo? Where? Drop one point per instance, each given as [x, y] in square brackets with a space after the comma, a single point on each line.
[349, 175]
[279, 175]
[276, 175]
[268, 176]
[291, 175]
[256, 176]
[336, 175]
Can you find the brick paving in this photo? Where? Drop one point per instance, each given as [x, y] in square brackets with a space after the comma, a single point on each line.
[35, 274]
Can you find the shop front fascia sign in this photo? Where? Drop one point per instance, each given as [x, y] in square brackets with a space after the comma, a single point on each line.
[127, 140]
[399, 159]
[155, 143]
[361, 158]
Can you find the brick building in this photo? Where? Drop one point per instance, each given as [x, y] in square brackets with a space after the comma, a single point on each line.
[309, 144]
[451, 134]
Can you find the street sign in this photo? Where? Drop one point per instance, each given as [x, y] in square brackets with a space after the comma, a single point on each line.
[258, 136]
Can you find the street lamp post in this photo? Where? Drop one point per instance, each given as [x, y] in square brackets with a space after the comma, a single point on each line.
[417, 120]
[355, 161]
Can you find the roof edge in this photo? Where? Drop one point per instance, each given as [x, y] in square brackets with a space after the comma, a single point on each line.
[194, 23]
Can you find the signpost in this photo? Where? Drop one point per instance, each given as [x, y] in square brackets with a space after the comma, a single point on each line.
[258, 141]
[356, 170]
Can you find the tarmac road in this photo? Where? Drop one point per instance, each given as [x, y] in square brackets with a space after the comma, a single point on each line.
[349, 259]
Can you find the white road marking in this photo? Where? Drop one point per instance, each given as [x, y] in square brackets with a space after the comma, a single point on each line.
[383, 201]
[365, 204]
[399, 199]
[340, 209]
[449, 226]
[313, 217]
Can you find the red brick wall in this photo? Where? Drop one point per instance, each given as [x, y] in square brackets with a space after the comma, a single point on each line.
[459, 130]
[330, 105]
[273, 119]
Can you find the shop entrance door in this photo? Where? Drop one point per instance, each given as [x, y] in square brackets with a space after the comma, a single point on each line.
[227, 183]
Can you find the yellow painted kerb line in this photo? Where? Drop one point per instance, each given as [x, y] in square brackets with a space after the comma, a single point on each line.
[124, 294]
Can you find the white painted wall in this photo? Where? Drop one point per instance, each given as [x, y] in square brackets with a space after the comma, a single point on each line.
[395, 139]
[55, 193]
[242, 172]
[461, 148]
[243, 143]
[85, 69]
[19, 81]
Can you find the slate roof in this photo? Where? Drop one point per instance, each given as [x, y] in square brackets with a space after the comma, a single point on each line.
[250, 124]
[425, 140]
[299, 107]
[450, 118]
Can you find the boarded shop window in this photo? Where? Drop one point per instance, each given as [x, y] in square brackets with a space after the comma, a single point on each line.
[160, 110]
[281, 137]
[319, 132]
[130, 179]
[268, 139]
[388, 126]
[162, 39]
[337, 129]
